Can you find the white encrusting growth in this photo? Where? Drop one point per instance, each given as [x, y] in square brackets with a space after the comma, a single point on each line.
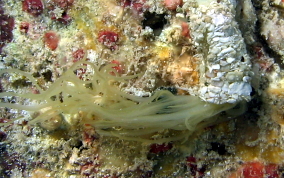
[225, 64]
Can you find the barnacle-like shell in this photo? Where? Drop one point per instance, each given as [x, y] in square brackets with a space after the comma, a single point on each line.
[225, 66]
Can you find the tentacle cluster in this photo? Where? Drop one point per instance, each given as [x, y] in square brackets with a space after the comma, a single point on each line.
[110, 110]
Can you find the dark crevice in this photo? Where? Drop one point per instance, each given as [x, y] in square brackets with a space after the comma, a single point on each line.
[47, 76]
[172, 89]
[154, 21]
[253, 106]
[219, 148]
[20, 83]
[257, 5]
